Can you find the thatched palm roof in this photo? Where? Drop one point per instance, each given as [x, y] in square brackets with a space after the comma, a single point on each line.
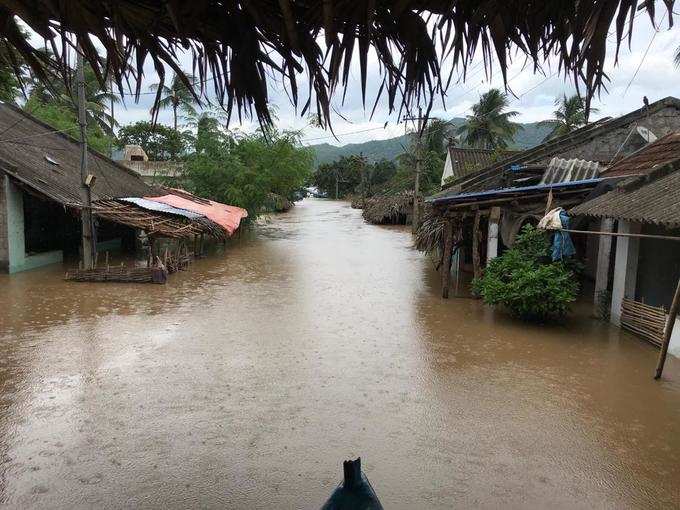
[243, 44]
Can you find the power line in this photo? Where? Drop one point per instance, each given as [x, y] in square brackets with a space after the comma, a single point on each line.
[644, 56]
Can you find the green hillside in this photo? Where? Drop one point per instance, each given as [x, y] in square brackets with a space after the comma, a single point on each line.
[532, 134]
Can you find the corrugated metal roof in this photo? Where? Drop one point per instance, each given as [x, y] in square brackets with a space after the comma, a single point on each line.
[25, 142]
[566, 170]
[652, 198]
[665, 150]
[150, 205]
[491, 177]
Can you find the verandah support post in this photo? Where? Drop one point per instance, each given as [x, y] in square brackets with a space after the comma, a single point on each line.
[446, 260]
[668, 331]
[476, 265]
[603, 261]
[492, 241]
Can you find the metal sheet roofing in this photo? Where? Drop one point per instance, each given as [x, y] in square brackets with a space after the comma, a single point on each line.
[491, 176]
[567, 170]
[151, 205]
[227, 216]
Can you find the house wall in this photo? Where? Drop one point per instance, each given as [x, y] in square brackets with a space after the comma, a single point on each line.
[658, 267]
[13, 257]
[4, 238]
[603, 148]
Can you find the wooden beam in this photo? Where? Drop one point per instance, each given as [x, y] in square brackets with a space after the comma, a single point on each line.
[477, 270]
[668, 332]
[448, 256]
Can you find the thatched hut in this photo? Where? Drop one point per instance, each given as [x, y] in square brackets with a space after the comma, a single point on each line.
[394, 209]
[238, 46]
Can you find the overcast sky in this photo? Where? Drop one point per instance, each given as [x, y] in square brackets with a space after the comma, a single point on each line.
[657, 78]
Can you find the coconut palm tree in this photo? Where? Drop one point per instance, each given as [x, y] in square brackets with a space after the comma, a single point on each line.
[176, 96]
[97, 99]
[489, 126]
[570, 115]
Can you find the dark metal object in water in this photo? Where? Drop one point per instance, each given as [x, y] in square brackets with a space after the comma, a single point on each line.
[355, 491]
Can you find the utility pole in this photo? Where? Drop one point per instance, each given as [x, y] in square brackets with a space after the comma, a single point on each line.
[421, 122]
[86, 181]
[337, 179]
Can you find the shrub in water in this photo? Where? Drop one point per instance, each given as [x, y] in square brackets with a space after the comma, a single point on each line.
[526, 282]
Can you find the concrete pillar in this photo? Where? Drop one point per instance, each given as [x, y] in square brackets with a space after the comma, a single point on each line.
[4, 237]
[625, 268]
[603, 258]
[16, 240]
[492, 237]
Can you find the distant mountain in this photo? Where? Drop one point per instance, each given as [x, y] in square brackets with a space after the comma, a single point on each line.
[532, 134]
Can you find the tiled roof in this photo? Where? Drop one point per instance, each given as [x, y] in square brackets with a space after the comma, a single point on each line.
[491, 177]
[49, 162]
[665, 150]
[653, 197]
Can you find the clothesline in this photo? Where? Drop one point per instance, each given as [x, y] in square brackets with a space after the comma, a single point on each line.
[620, 234]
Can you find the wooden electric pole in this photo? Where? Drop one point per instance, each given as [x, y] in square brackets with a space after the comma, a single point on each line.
[86, 195]
[421, 122]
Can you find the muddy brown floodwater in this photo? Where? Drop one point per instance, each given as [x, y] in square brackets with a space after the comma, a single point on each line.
[246, 380]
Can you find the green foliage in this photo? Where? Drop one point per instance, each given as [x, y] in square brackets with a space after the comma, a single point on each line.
[344, 171]
[176, 96]
[158, 141]
[570, 115]
[525, 281]
[246, 170]
[63, 118]
[489, 126]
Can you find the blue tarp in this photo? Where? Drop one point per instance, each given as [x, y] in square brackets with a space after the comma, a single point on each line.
[563, 247]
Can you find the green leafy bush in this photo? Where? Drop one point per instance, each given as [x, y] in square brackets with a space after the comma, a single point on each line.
[526, 282]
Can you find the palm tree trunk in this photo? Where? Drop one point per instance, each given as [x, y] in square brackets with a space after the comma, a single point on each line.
[174, 114]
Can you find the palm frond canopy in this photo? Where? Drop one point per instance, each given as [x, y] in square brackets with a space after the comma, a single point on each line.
[237, 46]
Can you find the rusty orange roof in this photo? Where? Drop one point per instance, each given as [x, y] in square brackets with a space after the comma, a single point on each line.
[665, 150]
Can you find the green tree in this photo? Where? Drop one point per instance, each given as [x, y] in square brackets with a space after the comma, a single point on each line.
[570, 115]
[176, 96]
[490, 126]
[61, 117]
[158, 141]
[526, 282]
[246, 170]
[342, 175]
[97, 100]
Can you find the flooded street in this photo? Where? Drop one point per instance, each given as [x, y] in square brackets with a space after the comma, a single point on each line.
[246, 381]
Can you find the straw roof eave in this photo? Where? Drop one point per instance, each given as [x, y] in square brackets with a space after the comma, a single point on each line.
[240, 45]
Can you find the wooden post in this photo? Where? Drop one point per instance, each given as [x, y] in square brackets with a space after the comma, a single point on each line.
[477, 270]
[416, 187]
[446, 260]
[668, 332]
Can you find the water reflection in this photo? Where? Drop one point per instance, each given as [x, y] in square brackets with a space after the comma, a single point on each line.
[244, 381]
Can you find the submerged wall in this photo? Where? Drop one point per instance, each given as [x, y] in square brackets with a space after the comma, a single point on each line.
[13, 257]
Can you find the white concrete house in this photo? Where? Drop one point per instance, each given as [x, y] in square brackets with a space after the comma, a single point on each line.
[643, 269]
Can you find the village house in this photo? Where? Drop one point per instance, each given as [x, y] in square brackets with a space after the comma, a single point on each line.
[41, 196]
[640, 269]
[486, 209]
[152, 172]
